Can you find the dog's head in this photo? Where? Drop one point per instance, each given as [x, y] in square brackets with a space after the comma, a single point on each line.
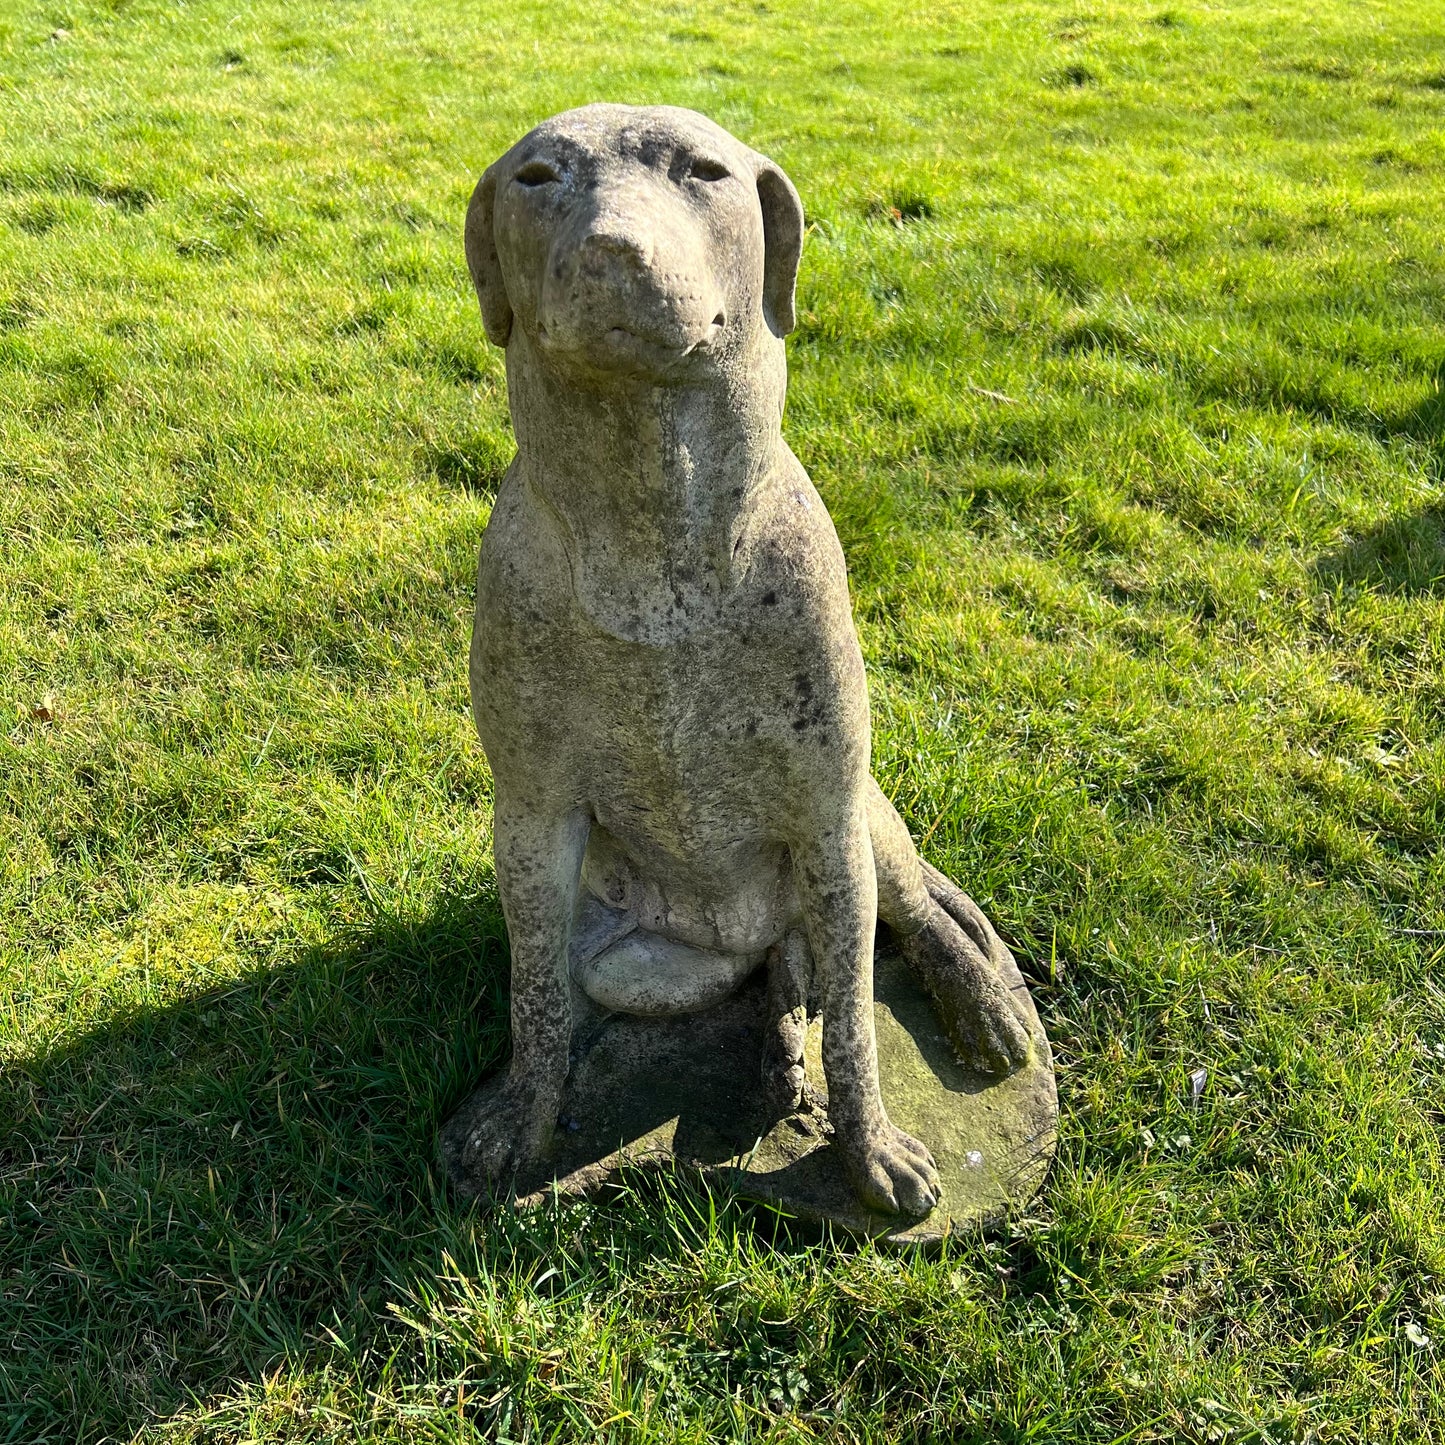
[642, 241]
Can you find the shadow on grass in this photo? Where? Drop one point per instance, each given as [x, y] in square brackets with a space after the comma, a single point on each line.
[191, 1193]
[1425, 421]
[1404, 555]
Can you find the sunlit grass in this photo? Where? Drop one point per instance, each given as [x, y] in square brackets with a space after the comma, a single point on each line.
[1122, 332]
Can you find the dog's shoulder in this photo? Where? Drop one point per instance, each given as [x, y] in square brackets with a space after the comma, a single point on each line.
[806, 668]
[521, 563]
[794, 561]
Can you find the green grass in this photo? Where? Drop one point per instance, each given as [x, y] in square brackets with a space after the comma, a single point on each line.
[1119, 364]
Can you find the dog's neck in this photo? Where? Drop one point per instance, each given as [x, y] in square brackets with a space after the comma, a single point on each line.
[651, 486]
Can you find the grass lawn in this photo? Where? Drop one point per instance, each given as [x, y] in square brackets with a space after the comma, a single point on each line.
[1122, 333]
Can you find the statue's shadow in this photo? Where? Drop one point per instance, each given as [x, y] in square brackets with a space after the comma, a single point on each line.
[688, 1091]
[191, 1192]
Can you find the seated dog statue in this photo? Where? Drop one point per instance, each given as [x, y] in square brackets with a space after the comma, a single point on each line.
[664, 670]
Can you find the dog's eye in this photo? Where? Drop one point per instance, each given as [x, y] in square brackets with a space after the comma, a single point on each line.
[536, 173]
[703, 168]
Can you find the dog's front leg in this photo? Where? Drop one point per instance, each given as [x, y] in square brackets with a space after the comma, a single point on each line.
[889, 1170]
[539, 861]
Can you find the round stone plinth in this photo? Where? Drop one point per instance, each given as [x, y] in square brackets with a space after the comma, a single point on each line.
[687, 1091]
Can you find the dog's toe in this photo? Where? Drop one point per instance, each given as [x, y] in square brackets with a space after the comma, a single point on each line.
[895, 1174]
[783, 1085]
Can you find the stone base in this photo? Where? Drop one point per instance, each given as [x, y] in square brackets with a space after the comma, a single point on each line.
[687, 1091]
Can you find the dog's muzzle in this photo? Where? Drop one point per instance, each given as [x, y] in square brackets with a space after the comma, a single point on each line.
[621, 299]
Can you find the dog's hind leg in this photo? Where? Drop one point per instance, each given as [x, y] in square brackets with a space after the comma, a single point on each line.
[904, 903]
[949, 944]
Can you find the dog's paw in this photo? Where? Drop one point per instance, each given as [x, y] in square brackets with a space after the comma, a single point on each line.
[892, 1172]
[987, 1027]
[783, 1069]
[501, 1129]
[783, 1083]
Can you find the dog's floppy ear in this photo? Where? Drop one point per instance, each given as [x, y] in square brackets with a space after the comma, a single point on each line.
[482, 261]
[783, 245]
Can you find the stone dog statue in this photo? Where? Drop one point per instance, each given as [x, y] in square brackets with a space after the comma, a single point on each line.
[664, 669]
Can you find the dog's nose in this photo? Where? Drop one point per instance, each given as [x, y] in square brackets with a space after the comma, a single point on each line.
[607, 243]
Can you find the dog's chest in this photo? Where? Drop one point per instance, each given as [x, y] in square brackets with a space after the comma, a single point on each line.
[695, 712]
[694, 741]
[675, 754]
[679, 740]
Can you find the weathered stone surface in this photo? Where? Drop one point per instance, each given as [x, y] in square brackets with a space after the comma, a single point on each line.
[687, 1091]
[665, 674]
